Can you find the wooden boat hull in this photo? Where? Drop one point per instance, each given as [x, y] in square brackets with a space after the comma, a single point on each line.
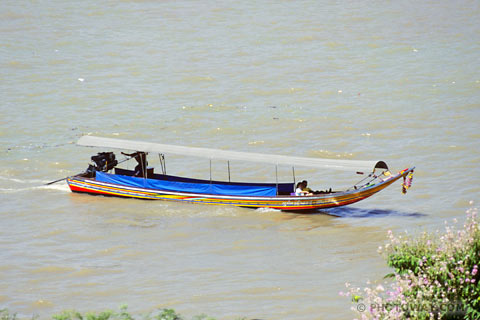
[291, 203]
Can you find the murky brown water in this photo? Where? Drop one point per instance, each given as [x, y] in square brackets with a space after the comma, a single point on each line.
[394, 81]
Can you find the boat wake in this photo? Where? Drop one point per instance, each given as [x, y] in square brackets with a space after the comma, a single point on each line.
[351, 212]
[14, 185]
[265, 210]
[26, 181]
[58, 187]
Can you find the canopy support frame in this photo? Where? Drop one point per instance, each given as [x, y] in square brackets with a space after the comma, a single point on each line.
[228, 164]
[210, 171]
[294, 178]
[163, 164]
[276, 178]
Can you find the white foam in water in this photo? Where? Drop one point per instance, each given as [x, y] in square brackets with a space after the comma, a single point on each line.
[36, 181]
[34, 184]
[63, 188]
[13, 190]
[59, 187]
[262, 210]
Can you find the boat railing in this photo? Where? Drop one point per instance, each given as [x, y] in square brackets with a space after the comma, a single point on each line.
[283, 188]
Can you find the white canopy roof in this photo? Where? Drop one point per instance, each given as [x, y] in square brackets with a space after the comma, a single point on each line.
[348, 165]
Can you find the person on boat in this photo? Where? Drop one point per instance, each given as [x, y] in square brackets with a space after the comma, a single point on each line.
[141, 167]
[299, 191]
[307, 189]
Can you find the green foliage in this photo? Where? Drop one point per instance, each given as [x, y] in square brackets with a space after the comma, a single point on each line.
[5, 315]
[448, 265]
[202, 317]
[123, 314]
[167, 314]
[436, 276]
[74, 315]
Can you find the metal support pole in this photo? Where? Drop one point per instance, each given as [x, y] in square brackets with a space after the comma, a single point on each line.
[161, 163]
[228, 163]
[161, 157]
[143, 160]
[294, 180]
[210, 170]
[164, 164]
[276, 177]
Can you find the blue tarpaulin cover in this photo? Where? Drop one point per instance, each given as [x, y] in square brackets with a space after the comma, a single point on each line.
[207, 188]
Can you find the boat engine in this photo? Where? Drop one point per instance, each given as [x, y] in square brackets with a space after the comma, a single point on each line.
[104, 161]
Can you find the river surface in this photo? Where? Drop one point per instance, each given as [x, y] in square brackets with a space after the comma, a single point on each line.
[392, 80]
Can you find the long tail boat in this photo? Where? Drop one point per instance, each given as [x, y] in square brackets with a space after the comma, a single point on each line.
[105, 178]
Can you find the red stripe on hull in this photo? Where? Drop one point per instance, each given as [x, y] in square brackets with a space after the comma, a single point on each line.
[83, 190]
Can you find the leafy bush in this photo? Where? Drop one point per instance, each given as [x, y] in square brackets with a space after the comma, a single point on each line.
[123, 314]
[5, 315]
[436, 276]
[163, 314]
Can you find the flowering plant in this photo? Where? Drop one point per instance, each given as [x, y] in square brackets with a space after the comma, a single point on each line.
[436, 276]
